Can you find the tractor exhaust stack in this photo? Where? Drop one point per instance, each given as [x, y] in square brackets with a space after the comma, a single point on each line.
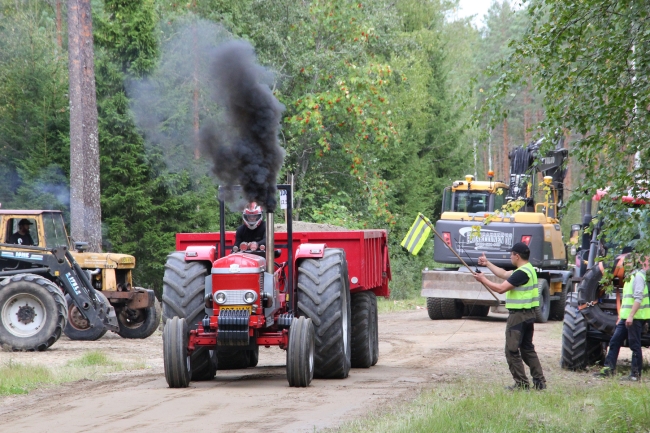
[270, 247]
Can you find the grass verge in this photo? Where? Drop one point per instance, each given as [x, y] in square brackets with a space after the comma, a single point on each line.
[394, 305]
[19, 378]
[606, 406]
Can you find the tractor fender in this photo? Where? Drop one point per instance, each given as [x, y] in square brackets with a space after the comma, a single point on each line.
[200, 253]
[310, 251]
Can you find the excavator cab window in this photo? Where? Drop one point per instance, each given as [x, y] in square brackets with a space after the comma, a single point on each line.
[55, 234]
[12, 227]
[471, 202]
[446, 199]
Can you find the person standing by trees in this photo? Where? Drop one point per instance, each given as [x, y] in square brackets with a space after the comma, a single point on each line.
[522, 296]
[635, 309]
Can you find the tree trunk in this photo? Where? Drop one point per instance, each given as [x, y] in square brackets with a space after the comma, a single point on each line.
[59, 24]
[85, 210]
[506, 148]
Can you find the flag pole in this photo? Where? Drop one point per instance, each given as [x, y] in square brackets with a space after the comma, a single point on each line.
[427, 222]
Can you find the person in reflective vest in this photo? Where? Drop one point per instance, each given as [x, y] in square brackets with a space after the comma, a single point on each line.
[635, 309]
[522, 297]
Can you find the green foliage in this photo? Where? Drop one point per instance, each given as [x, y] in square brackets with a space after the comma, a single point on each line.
[18, 378]
[589, 60]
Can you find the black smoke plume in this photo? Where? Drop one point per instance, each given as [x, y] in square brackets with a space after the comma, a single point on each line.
[243, 143]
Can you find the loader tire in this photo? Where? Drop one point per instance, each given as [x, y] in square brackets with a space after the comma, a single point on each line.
[324, 297]
[178, 369]
[78, 328]
[434, 308]
[33, 313]
[138, 324]
[578, 350]
[557, 307]
[183, 292]
[363, 329]
[587, 291]
[542, 312]
[451, 308]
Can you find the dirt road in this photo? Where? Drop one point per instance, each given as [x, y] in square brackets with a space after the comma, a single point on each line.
[415, 352]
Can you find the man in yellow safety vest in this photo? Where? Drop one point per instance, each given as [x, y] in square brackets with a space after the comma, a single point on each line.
[522, 296]
[635, 309]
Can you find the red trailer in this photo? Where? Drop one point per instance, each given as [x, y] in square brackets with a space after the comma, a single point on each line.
[314, 296]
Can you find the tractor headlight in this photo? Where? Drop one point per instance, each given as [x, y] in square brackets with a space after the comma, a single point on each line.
[250, 297]
[220, 298]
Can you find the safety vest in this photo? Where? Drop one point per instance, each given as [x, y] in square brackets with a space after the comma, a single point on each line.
[526, 296]
[643, 313]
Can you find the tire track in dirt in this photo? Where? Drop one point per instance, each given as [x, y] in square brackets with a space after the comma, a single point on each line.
[415, 353]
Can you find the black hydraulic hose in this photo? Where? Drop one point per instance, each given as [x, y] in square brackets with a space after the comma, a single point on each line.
[23, 271]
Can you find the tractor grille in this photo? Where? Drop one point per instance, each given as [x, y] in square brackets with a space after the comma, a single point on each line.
[234, 297]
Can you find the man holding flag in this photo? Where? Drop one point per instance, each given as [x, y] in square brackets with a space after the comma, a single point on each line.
[522, 296]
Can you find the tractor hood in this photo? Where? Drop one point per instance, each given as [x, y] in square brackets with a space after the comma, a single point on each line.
[104, 260]
[239, 263]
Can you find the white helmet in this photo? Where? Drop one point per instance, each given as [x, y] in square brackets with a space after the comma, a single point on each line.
[252, 216]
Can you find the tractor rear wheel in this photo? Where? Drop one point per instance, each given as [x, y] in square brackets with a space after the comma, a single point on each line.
[363, 329]
[300, 353]
[324, 297]
[542, 312]
[32, 312]
[578, 350]
[434, 308]
[140, 323]
[78, 327]
[176, 361]
[183, 297]
[451, 308]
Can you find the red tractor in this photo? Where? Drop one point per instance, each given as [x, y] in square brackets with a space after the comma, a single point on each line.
[314, 296]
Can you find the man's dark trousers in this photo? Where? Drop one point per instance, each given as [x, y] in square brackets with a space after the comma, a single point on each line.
[633, 335]
[519, 348]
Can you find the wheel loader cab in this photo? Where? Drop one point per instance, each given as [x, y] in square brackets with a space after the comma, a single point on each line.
[12, 226]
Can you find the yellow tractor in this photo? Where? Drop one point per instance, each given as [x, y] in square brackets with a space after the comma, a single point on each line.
[137, 309]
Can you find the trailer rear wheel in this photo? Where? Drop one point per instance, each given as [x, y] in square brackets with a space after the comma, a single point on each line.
[363, 329]
[141, 323]
[300, 353]
[434, 308]
[176, 360]
[451, 308]
[375, 319]
[229, 359]
[578, 350]
[32, 312]
[542, 312]
[324, 297]
[78, 327]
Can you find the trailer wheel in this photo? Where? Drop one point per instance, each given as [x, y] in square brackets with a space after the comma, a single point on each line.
[183, 292]
[138, 324]
[203, 363]
[542, 312]
[78, 327]
[451, 308]
[434, 308]
[32, 312]
[300, 353]
[557, 307]
[324, 297]
[229, 359]
[176, 360]
[363, 332]
[253, 356]
[375, 319]
[578, 350]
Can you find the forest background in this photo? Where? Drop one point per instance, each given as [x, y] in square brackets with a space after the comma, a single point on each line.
[379, 101]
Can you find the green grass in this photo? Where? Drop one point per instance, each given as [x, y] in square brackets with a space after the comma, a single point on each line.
[19, 378]
[604, 406]
[393, 305]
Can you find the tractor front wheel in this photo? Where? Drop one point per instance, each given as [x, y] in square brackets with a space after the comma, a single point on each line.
[300, 353]
[175, 358]
[78, 327]
[32, 312]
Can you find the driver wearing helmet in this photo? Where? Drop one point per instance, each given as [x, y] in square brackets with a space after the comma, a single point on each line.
[252, 234]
